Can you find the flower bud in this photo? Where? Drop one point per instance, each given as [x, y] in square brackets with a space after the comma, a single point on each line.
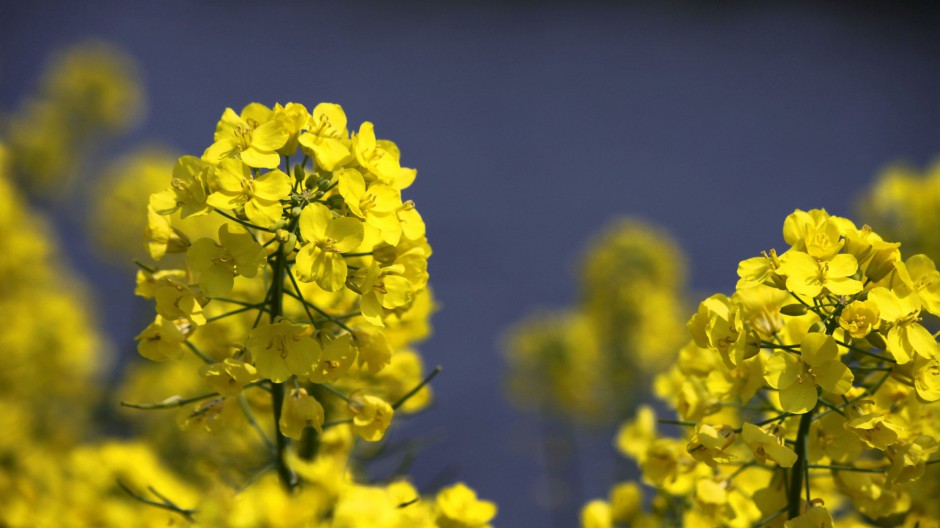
[795, 309]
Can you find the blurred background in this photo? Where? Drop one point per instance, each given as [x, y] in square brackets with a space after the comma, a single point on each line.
[532, 126]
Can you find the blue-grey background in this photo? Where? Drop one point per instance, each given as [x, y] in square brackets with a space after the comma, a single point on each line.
[531, 125]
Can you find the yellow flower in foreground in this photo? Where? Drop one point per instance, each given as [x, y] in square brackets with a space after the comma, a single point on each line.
[381, 158]
[229, 377]
[300, 410]
[219, 262]
[187, 191]
[815, 517]
[326, 139]
[163, 339]
[860, 318]
[907, 337]
[260, 196]
[371, 416]
[767, 446]
[321, 260]
[808, 276]
[798, 376]
[282, 349]
[459, 507]
[254, 136]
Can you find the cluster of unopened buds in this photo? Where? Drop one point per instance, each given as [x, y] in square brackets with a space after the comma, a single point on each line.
[809, 393]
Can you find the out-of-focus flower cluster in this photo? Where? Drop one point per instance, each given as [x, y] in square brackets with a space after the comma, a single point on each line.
[589, 362]
[808, 395]
[89, 93]
[904, 205]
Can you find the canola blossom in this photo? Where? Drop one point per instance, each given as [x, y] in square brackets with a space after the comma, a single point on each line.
[806, 398]
[290, 282]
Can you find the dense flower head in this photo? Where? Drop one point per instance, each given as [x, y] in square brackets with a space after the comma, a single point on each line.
[286, 263]
[90, 91]
[807, 395]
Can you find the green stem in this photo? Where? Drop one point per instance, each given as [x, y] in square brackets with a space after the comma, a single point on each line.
[243, 222]
[401, 401]
[796, 473]
[276, 302]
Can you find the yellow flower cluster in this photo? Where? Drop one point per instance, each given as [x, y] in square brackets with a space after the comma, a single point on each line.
[809, 394]
[290, 289]
[578, 362]
[903, 204]
[89, 92]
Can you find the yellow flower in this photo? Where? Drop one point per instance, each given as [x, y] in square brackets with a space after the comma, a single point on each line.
[337, 356]
[375, 353]
[459, 507]
[381, 158]
[708, 443]
[815, 517]
[326, 138]
[809, 277]
[293, 118]
[875, 429]
[828, 437]
[626, 501]
[229, 377]
[327, 238]
[282, 349]
[163, 339]
[377, 205]
[768, 446]
[162, 237]
[859, 318]
[798, 376]
[187, 192]
[596, 514]
[927, 378]
[219, 262]
[254, 135]
[176, 300]
[383, 289]
[300, 410]
[909, 459]
[259, 196]
[371, 416]
[906, 337]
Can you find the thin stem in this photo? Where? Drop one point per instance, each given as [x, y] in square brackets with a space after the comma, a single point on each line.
[401, 401]
[254, 423]
[684, 423]
[243, 222]
[316, 308]
[233, 312]
[169, 403]
[867, 353]
[768, 520]
[166, 503]
[198, 352]
[845, 468]
[335, 392]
